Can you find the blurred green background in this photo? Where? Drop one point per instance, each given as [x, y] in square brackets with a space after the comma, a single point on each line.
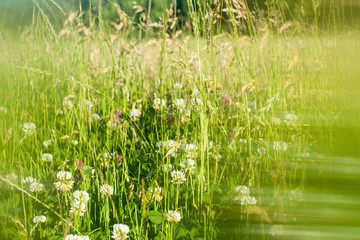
[17, 14]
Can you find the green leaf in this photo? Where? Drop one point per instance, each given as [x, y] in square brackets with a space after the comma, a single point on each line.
[194, 232]
[155, 216]
[181, 231]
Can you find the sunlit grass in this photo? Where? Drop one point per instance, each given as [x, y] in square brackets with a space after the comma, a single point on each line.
[178, 138]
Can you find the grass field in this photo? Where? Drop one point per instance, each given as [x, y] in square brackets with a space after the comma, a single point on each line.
[179, 137]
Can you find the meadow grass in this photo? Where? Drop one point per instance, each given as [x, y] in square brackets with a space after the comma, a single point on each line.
[177, 137]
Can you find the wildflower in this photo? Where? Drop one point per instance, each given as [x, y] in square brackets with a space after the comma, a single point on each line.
[190, 150]
[173, 216]
[196, 102]
[179, 104]
[29, 128]
[67, 104]
[47, 143]
[242, 191]
[3, 110]
[89, 170]
[74, 142]
[78, 206]
[36, 187]
[120, 231]
[135, 114]
[211, 145]
[95, 117]
[280, 146]
[155, 193]
[76, 237]
[167, 167]
[12, 177]
[112, 124]
[47, 157]
[64, 181]
[290, 118]
[188, 166]
[81, 196]
[178, 86]
[196, 92]
[296, 195]
[106, 190]
[39, 219]
[261, 151]
[277, 230]
[29, 180]
[159, 103]
[243, 140]
[248, 203]
[178, 177]
[85, 105]
[276, 121]
[226, 100]
[118, 113]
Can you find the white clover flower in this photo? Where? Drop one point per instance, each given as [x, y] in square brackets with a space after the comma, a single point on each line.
[112, 125]
[280, 146]
[290, 118]
[120, 231]
[29, 128]
[201, 178]
[243, 140]
[296, 195]
[47, 143]
[155, 194]
[242, 191]
[47, 157]
[276, 230]
[89, 170]
[95, 117]
[196, 92]
[196, 101]
[65, 183]
[178, 86]
[261, 151]
[106, 190]
[3, 110]
[135, 114]
[36, 187]
[76, 237]
[78, 208]
[248, 203]
[78, 205]
[85, 105]
[67, 104]
[167, 167]
[29, 180]
[188, 166]
[173, 216]
[39, 219]
[276, 120]
[179, 104]
[178, 177]
[81, 196]
[74, 142]
[12, 177]
[159, 103]
[190, 150]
